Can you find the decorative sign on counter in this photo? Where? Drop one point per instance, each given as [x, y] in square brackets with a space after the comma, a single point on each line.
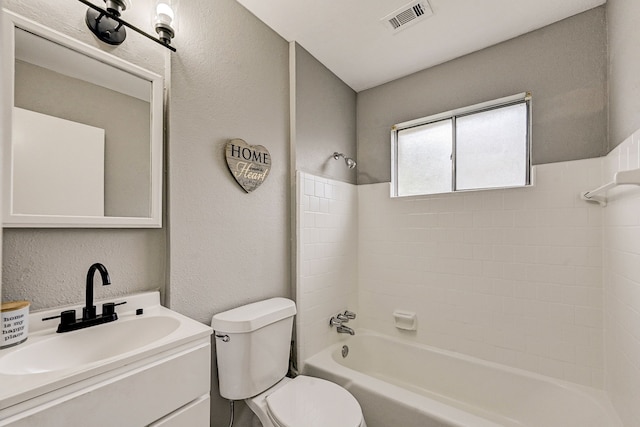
[15, 323]
[249, 164]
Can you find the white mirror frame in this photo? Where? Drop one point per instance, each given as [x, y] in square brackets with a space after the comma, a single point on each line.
[9, 219]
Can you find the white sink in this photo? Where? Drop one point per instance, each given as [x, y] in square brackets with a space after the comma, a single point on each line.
[85, 346]
[48, 360]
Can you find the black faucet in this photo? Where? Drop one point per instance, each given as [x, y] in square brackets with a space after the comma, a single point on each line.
[89, 311]
[68, 321]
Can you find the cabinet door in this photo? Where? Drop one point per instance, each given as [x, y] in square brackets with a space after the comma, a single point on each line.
[135, 398]
[195, 414]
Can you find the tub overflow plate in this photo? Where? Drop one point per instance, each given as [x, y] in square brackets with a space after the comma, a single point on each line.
[345, 351]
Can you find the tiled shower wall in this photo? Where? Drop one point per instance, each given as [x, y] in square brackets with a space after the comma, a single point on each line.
[621, 246]
[512, 276]
[327, 245]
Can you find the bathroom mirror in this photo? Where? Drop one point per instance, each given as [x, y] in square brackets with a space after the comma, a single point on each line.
[86, 136]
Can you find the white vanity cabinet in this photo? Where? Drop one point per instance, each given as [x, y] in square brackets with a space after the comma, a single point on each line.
[161, 391]
[195, 413]
[163, 383]
[168, 390]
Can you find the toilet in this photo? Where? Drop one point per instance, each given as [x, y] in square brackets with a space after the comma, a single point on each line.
[252, 350]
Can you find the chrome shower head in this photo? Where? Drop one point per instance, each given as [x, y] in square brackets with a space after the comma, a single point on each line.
[348, 160]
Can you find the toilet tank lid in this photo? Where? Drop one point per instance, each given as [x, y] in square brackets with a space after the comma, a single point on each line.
[253, 316]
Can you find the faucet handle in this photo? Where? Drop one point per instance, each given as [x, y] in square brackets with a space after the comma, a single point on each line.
[342, 318]
[349, 314]
[67, 317]
[334, 321]
[109, 308]
[67, 320]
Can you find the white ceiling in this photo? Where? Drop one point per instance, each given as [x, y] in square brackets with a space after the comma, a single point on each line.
[349, 39]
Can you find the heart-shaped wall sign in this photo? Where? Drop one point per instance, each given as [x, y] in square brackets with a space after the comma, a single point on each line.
[249, 164]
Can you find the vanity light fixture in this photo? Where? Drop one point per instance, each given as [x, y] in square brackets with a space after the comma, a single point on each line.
[109, 27]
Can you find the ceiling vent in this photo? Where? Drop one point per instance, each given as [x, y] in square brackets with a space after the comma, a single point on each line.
[407, 15]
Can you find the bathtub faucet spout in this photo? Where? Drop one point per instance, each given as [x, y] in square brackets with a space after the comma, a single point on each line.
[342, 329]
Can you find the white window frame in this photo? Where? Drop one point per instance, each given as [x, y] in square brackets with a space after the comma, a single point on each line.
[521, 98]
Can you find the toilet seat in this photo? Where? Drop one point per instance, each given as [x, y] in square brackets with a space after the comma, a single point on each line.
[313, 402]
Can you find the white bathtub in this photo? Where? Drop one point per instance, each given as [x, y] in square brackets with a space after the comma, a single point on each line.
[402, 384]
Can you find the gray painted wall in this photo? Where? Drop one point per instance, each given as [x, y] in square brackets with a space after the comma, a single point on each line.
[564, 65]
[228, 248]
[325, 119]
[49, 267]
[624, 62]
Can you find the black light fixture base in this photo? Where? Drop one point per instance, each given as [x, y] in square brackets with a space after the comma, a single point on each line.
[165, 33]
[106, 29]
[95, 14]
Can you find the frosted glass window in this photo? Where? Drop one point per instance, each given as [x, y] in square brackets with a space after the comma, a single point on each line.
[483, 146]
[491, 148]
[424, 159]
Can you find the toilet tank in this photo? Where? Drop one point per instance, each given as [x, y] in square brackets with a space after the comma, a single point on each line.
[252, 346]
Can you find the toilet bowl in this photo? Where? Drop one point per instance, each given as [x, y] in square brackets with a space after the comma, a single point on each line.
[252, 350]
[306, 402]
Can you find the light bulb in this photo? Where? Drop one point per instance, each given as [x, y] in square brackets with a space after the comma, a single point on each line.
[164, 19]
[164, 14]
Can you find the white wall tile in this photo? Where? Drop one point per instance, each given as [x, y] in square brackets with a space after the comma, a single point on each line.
[621, 246]
[326, 282]
[519, 270]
